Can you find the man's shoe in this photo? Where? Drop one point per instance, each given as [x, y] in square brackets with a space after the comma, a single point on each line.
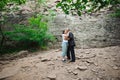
[72, 61]
[68, 58]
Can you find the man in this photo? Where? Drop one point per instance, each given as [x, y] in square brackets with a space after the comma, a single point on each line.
[71, 45]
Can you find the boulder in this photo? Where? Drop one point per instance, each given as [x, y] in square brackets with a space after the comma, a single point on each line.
[44, 60]
[82, 68]
[8, 72]
[52, 77]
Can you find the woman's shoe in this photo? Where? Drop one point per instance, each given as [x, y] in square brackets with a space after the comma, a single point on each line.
[63, 60]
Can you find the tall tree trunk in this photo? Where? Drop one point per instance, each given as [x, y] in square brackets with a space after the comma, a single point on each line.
[2, 39]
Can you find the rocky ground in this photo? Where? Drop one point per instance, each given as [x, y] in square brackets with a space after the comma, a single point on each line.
[91, 64]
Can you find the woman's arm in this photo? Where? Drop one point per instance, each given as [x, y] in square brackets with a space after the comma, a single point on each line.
[66, 37]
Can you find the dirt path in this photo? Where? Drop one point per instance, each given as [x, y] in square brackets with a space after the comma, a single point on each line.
[91, 64]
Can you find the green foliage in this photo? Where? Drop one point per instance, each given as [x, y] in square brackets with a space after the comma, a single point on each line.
[5, 6]
[4, 3]
[79, 6]
[116, 13]
[35, 32]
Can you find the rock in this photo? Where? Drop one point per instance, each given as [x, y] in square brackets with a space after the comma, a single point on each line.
[51, 63]
[87, 64]
[105, 57]
[98, 78]
[8, 72]
[100, 53]
[93, 70]
[88, 56]
[39, 57]
[4, 62]
[79, 79]
[44, 60]
[87, 52]
[82, 68]
[115, 67]
[78, 57]
[90, 61]
[69, 71]
[93, 20]
[93, 55]
[96, 64]
[20, 54]
[75, 72]
[52, 77]
[23, 52]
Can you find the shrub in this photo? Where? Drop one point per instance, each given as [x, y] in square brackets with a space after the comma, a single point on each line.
[36, 32]
[116, 13]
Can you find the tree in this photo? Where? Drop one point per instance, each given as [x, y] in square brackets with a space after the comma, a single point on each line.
[79, 6]
[4, 3]
[4, 6]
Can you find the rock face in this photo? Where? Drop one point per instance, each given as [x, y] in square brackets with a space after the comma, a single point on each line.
[89, 31]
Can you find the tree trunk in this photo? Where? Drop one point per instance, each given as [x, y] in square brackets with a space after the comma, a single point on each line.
[2, 39]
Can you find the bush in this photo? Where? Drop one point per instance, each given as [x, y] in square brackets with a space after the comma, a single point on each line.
[36, 32]
[116, 13]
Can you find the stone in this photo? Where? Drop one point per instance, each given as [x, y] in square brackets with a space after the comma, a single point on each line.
[76, 79]
[78, 57]
[51, 63]
[90, 61]
[98, 78]
[87, 64]
[23, 52]
[93, 70]
[69, 71]
[44, 60]
[100, 53]
[96, 64]
[39, 57]
[115, 67]
[52, 77]
[20, 54]
[4, 62]
[105, 57]
[75, 72]
[8, 72]
[88, 56]
[82, 68]
[87, 52]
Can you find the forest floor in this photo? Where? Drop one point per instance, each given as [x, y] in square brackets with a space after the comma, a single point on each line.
[91, 64]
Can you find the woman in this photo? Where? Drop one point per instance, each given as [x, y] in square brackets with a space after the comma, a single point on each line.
[64, 45]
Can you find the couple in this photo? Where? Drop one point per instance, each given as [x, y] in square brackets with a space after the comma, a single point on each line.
[68, 44]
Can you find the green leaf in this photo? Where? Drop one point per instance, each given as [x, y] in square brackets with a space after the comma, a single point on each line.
[58, 4]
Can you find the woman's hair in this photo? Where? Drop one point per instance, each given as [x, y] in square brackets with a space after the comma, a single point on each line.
[63, 32]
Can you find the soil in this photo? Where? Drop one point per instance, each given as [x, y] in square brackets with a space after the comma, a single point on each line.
[91, 64]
